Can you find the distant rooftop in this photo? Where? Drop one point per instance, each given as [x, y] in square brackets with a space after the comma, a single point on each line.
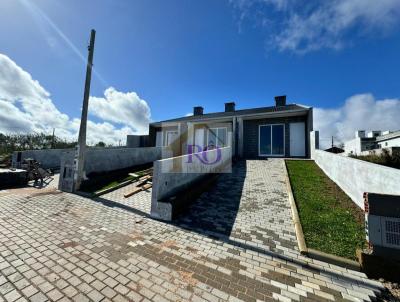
[389, 135]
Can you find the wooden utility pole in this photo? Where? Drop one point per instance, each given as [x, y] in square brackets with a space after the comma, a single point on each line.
[80, 156]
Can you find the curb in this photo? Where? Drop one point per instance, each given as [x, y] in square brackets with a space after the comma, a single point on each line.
[311, 253]
[333, 259]
[295, 215]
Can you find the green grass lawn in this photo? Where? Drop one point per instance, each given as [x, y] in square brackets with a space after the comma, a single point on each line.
[331, 222]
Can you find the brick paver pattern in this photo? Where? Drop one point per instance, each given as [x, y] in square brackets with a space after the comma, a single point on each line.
[235, 243]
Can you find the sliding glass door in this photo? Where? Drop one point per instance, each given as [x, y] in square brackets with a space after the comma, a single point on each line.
[271, 140]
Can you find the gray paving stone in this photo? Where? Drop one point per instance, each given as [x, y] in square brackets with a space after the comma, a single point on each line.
[108, 292]
[12, 296]
[235, 242]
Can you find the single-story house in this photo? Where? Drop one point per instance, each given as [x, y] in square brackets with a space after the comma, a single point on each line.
[281, 130]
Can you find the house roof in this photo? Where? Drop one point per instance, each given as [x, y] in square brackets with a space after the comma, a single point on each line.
[388, 136]
[242, 112]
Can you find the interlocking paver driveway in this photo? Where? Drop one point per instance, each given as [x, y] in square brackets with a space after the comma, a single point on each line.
[236, 242]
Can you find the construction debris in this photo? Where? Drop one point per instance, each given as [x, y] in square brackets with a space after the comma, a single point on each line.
[144, 183]
[35, 171]
[135, 190]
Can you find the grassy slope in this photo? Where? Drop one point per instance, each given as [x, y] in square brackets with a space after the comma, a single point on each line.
[330, 220]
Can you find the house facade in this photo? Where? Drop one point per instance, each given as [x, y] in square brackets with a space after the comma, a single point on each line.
[276, 131]
[389, 139]
[372, 140]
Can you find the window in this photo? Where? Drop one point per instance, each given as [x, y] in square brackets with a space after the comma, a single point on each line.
[217, 137]
[271, 140]
[170, 137]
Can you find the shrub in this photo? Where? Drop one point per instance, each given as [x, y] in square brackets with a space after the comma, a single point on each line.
[384, 159]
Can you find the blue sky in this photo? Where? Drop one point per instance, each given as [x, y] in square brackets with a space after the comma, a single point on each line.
[178, 54]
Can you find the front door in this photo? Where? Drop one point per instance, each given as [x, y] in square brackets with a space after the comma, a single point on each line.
[297, 139]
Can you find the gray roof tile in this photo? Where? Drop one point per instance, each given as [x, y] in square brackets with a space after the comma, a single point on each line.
[270, 109]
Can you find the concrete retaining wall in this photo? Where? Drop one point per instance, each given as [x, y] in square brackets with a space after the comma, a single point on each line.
[109, 159]
[100, 160]
[97, 159]
[49, 158]
[355, 176]
[174, 175]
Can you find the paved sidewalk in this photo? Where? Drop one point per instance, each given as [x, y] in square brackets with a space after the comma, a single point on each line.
[237, 242]
[140, 201]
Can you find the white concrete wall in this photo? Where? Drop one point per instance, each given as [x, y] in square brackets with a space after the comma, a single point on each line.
[353, 146]
[49, 158]
[109, 159]
[102, 160]
[314, 142]
[173, 175]
[355, 176]
[97, 159]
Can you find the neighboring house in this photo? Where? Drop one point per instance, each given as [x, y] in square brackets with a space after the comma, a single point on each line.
[361, 142]
[371, 141]
[389, 139]
[277, 131]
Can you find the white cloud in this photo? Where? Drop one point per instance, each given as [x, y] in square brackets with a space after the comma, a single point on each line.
[359, 112]
[302, 26]
[26, 107]
[121, 108]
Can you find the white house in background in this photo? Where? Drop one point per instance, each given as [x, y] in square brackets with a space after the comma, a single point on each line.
[389, 139]
[366, 141]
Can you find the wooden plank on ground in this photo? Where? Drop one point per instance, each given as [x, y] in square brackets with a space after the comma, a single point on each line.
[143, 182]
[147, 186]
[145, 177]
[133, 192]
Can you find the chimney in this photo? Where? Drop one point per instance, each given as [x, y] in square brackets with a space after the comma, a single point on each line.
[198, 110]
[230, 107]
[360, 133]
[280, 100]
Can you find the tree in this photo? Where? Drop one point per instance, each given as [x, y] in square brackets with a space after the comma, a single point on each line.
[100, 144]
